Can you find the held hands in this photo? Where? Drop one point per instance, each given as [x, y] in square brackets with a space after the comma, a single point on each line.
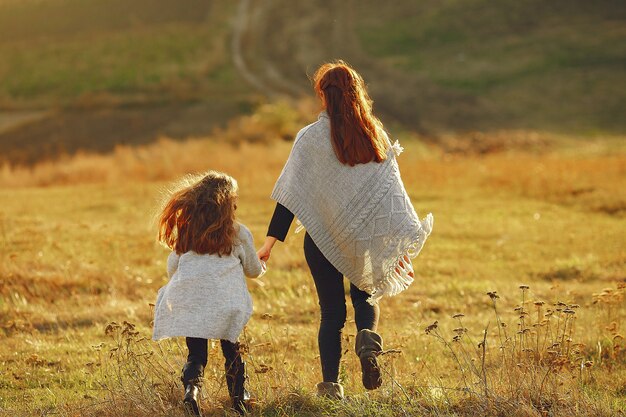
[257, 281]
[266, 250]
[264, 253]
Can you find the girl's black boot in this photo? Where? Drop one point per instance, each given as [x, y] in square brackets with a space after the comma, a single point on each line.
[235, 381]
[192, 381]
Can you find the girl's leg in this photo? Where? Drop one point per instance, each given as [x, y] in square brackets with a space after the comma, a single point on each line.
[365, 314]
[192, 373]
[198, 350]
[231, 353]
[235, 375]
[329, 286]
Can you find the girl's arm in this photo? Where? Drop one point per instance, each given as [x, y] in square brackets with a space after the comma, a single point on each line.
[252, 266]
[277, 230]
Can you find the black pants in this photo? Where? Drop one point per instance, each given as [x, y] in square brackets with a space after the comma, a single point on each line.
[332, 300]
[198, 351]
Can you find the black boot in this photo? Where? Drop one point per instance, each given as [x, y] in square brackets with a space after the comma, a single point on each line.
[192, 381]
[235, 381]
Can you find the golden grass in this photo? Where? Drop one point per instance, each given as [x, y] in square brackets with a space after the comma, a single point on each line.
[77, 252]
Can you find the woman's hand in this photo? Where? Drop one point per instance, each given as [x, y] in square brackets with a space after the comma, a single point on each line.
[406, 265]
[266, 250]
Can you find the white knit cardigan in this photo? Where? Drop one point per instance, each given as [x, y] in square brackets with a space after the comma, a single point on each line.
[207, 296]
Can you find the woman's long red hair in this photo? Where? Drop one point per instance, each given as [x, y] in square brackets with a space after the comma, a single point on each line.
[200, 215]
[356, 133]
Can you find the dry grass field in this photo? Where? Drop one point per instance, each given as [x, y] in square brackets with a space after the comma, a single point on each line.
[519, 306]
[79, 268]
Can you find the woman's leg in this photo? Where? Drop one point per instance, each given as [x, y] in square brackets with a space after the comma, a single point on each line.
[365, 314]
[330, 291]
[368, 343]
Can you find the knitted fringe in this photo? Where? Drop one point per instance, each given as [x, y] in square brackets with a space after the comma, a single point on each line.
[397, 278]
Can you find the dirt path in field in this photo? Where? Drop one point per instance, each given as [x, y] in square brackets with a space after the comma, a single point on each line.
[239, 28]
[278, 44]
[266, 77]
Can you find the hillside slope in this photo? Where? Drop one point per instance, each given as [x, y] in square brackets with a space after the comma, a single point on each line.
[431, 66]
[462, 64]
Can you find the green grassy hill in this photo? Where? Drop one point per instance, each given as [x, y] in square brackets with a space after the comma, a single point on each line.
[543, 65]
[435, 67]
[60, 50]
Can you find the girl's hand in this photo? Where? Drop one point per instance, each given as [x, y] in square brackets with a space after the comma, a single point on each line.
[266, 250]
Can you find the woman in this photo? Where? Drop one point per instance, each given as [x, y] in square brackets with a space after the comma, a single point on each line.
[343, 184]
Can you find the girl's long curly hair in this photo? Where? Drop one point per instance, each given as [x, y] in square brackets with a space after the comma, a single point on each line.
[199, 215]
[356, 133]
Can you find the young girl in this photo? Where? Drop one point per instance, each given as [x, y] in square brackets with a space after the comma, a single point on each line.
[206, 296]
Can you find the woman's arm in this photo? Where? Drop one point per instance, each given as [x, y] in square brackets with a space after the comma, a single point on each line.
[277, 230]
[280, 223]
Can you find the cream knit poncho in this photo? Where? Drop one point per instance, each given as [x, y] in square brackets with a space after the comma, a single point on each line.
[360, 217]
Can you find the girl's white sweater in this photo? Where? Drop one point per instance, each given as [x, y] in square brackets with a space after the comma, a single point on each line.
[207, 296]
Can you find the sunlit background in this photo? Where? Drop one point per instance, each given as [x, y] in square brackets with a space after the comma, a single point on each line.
[511, 113]
[88, 74]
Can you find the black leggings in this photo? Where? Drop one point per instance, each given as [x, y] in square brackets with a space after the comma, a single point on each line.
[332, 300]
[198, 351]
